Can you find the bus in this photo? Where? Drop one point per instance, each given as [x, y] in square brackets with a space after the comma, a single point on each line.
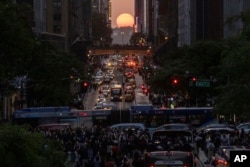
[53, 115]
[154, 117]
[116, 92]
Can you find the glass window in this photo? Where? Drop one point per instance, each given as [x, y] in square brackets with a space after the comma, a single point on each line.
[57, 17]
[57, 3]
[57, 28]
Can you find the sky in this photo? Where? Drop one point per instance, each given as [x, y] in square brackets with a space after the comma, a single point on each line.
[120, 6]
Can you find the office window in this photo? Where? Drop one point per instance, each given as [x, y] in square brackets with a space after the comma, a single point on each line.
[57, 17]
[57, 3]
[57, 28]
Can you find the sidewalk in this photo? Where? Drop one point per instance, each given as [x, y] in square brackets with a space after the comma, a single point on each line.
[90, 98]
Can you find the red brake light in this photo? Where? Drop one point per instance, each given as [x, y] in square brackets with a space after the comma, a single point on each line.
[84, 114]
[151, 166]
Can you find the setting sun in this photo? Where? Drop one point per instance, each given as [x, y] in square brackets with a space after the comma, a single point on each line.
[125, 20]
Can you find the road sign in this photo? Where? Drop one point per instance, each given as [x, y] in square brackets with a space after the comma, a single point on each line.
[200, 83]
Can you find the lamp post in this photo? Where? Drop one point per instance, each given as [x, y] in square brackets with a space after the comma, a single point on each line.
[122, 34]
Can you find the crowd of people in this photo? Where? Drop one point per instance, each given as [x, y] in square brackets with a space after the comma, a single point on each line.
[212, 141]
[101, 147]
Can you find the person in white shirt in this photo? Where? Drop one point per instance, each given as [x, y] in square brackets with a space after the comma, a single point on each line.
[225, 140]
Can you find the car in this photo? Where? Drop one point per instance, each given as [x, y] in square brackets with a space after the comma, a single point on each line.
[126, 126]
[103, 88]
[98, 81]
[109, 106]
[101, 99]
[170, 148]
[98, 106]
[128, 88]
[105, 92]
[130, 91]
[132, 82]
[245, 126]
[222, 154]
[107, 79]
[129, 97]
[111, 76]
[175, 126]
[219, 128]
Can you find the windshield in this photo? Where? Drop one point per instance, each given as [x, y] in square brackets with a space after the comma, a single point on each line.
[116, 91]
[172, 140]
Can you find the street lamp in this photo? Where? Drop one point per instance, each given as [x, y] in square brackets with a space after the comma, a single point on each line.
[122, 33]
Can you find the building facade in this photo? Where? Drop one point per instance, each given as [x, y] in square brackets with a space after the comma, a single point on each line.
[233, 8]
[63, 22]
[202, 19]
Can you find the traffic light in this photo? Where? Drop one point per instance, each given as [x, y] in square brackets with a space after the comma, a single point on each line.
[192, 81]
[175, 81]
[85, 84]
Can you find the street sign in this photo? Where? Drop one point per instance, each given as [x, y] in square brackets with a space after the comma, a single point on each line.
[204, 84]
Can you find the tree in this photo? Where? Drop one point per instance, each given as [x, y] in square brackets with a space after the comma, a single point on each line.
[233, 74]
[235, 80]
[21, 147]
[202, 60]
[23, 54]
[15, 41]
[49, 76]
[137, 38]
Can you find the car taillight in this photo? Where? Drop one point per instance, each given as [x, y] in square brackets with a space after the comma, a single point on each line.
[152, 165]
[220, 161]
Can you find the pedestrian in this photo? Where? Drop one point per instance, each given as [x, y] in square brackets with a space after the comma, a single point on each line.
[242, 134]
[224, 140]
[198, 142]
[210, 149]
[110, 162]
[97, 160]
[125, 162]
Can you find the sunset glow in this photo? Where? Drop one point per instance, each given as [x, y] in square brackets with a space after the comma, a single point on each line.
[125, 20]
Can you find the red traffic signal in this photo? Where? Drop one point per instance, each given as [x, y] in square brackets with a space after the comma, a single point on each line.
[193, 79]
[175, 81]
[85, 84]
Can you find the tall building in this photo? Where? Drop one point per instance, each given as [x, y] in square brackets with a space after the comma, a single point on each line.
[185, 22]
[100, 6]
[139, 16]
[207, 19]
[63, 22]
[39, 16]
[232, 8]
